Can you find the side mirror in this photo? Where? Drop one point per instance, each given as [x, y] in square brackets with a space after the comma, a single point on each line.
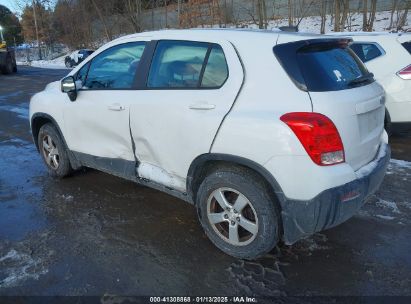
[68, 85]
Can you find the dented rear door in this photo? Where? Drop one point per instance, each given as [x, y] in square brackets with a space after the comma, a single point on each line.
[173, 120]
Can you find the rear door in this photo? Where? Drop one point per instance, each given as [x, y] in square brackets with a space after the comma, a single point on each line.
[190, 87]
[341, 88]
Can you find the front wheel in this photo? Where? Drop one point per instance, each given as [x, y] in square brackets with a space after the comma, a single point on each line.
[53, 151]
[237, 213]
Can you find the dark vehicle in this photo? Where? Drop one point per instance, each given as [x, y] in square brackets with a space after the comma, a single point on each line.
[77, 57]
[7, 60]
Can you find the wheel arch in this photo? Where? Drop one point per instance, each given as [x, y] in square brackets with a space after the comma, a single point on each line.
[40, 119]
[206, 162]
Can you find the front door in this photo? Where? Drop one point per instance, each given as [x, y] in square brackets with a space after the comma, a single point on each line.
[97, 123]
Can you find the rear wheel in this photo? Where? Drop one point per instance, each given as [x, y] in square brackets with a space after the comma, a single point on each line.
[237, 213]
[53, 151]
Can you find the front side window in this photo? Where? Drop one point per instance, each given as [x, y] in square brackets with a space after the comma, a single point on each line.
[115, 68]
[185, 64]
[82, 74]
[366, 51]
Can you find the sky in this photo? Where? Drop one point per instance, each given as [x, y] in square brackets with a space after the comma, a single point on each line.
[11, 5]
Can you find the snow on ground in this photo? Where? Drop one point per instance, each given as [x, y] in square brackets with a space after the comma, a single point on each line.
[57, 63]
[17, 267]
[391, 203]
[392, 206]
[399, 166]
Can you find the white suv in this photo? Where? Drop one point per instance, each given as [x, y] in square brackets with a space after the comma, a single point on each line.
[388, 56]
[272, 136]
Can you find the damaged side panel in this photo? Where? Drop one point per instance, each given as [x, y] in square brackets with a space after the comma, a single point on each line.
[93, 128]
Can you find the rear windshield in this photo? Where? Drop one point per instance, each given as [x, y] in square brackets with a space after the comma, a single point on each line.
[330, 69]
[407, 46]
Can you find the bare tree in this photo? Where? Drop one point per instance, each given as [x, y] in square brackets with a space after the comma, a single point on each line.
[393, 9]
[165, 13]
[402, 16]
[303, 9]
[290, 13]
[133, 9]
[103, 19]
[372, 15]
[345, 12]
[368, 19]
[337, 17]
[262, 14]
[323, 13]
[364, 15]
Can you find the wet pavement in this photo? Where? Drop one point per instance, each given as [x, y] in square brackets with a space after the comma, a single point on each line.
[95, 234]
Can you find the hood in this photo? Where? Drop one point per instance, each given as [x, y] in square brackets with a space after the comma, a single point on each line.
[55, 85]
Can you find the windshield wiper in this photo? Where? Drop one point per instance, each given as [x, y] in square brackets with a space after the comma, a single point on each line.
[361, 79]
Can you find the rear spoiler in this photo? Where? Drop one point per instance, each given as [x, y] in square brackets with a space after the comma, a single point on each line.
[286, 54]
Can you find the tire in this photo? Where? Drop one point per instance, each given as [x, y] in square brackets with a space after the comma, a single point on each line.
[261, 210]
[58, 163]
[8, 68]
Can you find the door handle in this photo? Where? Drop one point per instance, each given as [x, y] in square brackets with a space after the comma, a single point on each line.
[202, 106]
[116, 107]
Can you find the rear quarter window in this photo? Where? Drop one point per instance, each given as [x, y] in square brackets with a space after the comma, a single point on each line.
[367, 51]
[407, 46]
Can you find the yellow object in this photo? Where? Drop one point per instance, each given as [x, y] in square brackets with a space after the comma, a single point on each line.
[3, 45]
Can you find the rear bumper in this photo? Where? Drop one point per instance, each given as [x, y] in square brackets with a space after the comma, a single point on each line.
[335, 205]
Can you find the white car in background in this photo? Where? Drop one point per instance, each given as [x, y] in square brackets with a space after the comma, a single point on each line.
[76, 57]
[272, 136]
[388, 57]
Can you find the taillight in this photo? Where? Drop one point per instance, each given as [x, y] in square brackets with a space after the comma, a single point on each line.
[318, 135]
[405, 73]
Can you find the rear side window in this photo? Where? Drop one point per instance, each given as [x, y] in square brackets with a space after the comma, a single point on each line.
[185, 65]
[366, 51]
[216, 71]
[330, 69]
[407, 46]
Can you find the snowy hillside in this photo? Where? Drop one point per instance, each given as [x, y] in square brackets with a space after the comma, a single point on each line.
[310, 24]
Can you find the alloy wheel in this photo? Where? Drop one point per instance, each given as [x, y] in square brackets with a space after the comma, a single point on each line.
[232, 216]
[50, 152]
